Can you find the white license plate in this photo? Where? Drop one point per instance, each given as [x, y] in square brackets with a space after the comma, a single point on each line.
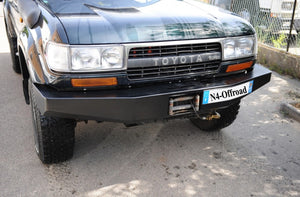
[226, 94]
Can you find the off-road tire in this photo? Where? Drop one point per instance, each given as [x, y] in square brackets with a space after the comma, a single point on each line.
[54, 137]
[13, 45]
[228, 115]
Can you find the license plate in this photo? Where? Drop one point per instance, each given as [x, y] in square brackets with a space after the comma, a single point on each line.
[226, 94]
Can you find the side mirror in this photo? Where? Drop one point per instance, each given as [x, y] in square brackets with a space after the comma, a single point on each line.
[30, 12]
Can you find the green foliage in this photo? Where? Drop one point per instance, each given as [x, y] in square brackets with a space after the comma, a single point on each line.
[279, 41]
[262, 36]
[298, 39]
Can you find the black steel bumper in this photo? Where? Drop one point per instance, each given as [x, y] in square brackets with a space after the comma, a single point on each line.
[136, 104]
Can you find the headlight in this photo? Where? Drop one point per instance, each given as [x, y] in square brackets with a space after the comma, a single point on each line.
[85, 59]
[235, 48]
[65, 58]
[112, 58]
[57, 57]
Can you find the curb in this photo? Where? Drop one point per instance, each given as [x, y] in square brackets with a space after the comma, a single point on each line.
[279, 60]
[290, 110]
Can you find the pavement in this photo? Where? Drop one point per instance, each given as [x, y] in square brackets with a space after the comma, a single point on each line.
[258, 155]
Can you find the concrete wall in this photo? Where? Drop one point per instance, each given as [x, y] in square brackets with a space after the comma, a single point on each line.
[279, 61]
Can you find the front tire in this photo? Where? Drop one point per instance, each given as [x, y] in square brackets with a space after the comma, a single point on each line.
[54, 137]
[228, 115]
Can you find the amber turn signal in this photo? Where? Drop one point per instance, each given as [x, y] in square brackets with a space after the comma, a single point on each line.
[93, 82]
[21, 20]
[237, 67]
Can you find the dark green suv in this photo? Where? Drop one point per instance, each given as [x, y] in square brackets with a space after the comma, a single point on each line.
[130, 61]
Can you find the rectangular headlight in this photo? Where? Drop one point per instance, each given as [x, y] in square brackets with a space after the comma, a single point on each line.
[65, 58]
[57, 57]
[239, 47]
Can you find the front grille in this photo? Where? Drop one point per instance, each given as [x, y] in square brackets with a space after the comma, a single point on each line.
[140, 65]
[177, 50]
[172, 71]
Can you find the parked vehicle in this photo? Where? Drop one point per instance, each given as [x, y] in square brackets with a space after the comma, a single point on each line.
[274, 15]
[129, 61]
[279, 15]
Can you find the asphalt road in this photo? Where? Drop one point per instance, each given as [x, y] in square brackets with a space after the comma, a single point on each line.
[259, 155]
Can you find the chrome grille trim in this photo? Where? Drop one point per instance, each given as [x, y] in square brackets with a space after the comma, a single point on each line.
[174, 60]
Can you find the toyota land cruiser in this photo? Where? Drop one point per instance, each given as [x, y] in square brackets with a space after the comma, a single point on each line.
[129, 61]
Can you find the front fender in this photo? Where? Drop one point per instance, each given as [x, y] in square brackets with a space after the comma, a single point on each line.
[33, 41]
[29, 50]
[7, 20]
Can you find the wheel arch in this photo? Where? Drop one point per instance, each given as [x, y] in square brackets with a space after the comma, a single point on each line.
[30, 64]
[8, 20]
[25, 75]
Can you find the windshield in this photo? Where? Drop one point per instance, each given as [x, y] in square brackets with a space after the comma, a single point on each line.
[82, 6]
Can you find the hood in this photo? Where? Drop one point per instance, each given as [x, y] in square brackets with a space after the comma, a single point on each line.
[165, 20]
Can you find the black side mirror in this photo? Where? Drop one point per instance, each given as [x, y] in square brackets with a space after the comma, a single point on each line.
[30, 12]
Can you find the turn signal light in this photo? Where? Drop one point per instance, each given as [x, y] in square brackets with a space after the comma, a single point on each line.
[237, 67]
[93, 82]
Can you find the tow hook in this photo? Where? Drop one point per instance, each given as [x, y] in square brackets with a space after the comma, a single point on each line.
[212, 116]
